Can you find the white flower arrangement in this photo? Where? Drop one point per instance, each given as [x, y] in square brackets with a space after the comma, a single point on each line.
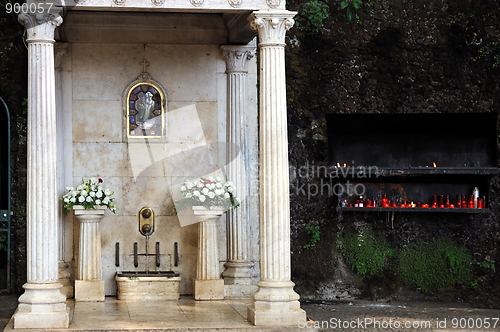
[208, 192]
[89, 194]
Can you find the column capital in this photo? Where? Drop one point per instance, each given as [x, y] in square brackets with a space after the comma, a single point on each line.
[237, 57]
[272, 25]
[41, 26]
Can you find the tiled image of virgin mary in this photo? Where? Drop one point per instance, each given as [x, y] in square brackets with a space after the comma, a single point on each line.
[145, 111]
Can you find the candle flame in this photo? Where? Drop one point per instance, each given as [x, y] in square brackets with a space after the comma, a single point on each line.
[434, 164]
[345, 164]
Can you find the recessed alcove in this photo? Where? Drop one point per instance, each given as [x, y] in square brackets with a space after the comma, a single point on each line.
[410, 157]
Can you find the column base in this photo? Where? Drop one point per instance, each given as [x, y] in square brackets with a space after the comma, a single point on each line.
[42, 306]
[89, 291]
[237, 273]
[275, 303]
[65, 280]
[208, 290]
[239, 291]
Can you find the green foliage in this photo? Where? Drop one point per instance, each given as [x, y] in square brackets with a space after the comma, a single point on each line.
[25, 103]
[488, 264]
[440, 264]
[311, 16]
[490, 50]
[365, 252]
[314, 232]
[473, 284]
[351, 6]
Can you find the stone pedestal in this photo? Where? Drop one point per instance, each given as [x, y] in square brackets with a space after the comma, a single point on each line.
[275, 302]
[89, 291]
[238, 266]
[89, 286]
[208, 285]
[42, 305]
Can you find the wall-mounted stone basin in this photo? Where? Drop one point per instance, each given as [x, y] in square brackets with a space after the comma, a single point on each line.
[148, 286]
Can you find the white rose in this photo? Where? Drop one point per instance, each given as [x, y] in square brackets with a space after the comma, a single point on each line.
[81, 199]
[218, 185]
[74, 193]
[98, 201]
[92, 188]
[189, 195]
[80, 187]
[226, 195]
[230, 189]
[89, 199]
[205, 191]
[211, 186]
[92, 194]
[93, 180]
[189, 185]
[211, 194]
[200, 184]
[183, 188]
[238, 199]
[228, 184]
[219, 179]
[105, 201]
[98, 194]
[73, 200]
[107, 192]
[69, 189]
[196, 193]
[211, 178]
[66, 200]
[218, 192]
[84, 193]
[202, 198]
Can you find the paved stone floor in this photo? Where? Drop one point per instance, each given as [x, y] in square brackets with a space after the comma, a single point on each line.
[230, 315]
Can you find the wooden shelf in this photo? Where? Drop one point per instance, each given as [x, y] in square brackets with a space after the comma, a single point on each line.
[373, 171]
[403, 209]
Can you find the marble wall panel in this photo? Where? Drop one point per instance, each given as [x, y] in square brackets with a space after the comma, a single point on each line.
[144, 191]
[100, 160]
[97, 121]
[192, 122]
[185, 71]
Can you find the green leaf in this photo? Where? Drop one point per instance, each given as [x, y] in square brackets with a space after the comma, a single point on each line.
[344, 4]
[349, 14]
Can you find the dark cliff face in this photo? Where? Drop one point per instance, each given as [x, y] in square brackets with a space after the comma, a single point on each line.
[401, 57]
[14, 89]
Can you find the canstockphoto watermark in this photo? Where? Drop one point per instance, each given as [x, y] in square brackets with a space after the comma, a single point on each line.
[314, 180]
[374, 323]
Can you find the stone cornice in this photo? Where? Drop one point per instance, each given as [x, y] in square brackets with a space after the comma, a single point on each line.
[237, 57]
[272, 26]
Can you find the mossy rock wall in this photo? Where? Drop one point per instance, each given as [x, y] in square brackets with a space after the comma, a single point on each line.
[399, 57]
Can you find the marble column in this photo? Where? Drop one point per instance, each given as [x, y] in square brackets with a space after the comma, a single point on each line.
[61, 49]
[42, 305]
[208, 284]
[237, 276]
[275, 302]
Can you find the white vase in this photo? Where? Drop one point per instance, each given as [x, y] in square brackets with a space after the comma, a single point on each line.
[89, 285]
[208, 284]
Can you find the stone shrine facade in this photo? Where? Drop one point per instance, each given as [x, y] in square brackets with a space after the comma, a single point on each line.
[200, 66]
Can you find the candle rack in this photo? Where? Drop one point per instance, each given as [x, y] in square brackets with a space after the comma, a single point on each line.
[410, 157]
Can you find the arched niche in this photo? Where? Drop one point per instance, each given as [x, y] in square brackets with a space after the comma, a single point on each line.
[145, 109]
